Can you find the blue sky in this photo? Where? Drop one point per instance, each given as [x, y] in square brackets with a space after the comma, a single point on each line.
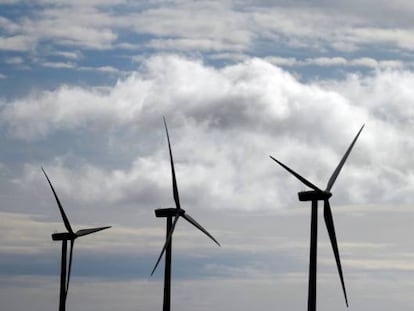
[83, 88]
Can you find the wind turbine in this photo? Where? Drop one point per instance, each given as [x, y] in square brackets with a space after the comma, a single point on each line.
[169, 213]
[65, 237]
[316, 195]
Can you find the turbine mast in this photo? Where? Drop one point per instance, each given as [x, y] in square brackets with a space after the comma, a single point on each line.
[313, 257]
[169, 213]
[62, 296]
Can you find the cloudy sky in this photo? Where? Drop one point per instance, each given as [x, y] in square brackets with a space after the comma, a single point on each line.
[83, 88]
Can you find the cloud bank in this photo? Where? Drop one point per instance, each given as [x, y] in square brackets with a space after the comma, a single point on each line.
[223, 124]
[209, 26]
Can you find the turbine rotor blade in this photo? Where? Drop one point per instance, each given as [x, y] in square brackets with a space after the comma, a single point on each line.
[83, 232]
[342, 162]
[302, 179]
[72, 243]
[167, 241]
[192, 221]
[62, 212]
[174, 180]
[327, 214]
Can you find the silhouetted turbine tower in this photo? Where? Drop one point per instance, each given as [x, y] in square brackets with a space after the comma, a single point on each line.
[65, 237]
[169, 213]
[316, 195]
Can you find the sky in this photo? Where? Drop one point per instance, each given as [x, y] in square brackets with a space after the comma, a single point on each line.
[84, 86]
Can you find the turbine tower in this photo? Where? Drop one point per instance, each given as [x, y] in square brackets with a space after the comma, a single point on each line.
[71, 236]
[171, 213]
[316, 195]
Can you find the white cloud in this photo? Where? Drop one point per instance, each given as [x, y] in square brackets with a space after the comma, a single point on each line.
[17, 43]
[14, 60]
[107, 69]
[88, 28]
[209, 26]
[229, 56]
[225, 119]
[58, 65]
[91, 30]
[70, 55]
[186, 44]
[401, 38]
[339, 61]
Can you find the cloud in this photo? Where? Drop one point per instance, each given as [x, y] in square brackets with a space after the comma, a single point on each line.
[269, 266]
[240, 26]
[16, 43]
[14, 60]
[202, 25]
[91, 30]
[105, 69]
[185, 44]
[68, 54]
[338, 61]
[58, 65]
[222, 120]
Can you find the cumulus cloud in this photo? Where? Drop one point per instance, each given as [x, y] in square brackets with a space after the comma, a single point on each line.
[223, 124]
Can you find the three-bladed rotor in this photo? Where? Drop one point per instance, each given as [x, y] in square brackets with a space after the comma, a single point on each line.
[178, 211]
[70, 235]
[323, 195]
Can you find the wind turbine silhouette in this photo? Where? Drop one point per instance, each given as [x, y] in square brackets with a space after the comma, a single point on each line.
[169, 213]
[316, 195]
[65, 237]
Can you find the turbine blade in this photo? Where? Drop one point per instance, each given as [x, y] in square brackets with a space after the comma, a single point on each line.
[83, 232]
[341, 164]
[72, 243]
[62, 212]
[302, 179]
[167, 241]
[327, 214]
[174, 180]
[192, 221]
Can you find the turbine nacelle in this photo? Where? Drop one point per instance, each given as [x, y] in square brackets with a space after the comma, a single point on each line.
[167, 212]
[313, 195]
[63, 236]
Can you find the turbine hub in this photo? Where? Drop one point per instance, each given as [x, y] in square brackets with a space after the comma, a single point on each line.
[313, 195]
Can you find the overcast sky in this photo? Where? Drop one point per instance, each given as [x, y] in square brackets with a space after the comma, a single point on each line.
[83, 89]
